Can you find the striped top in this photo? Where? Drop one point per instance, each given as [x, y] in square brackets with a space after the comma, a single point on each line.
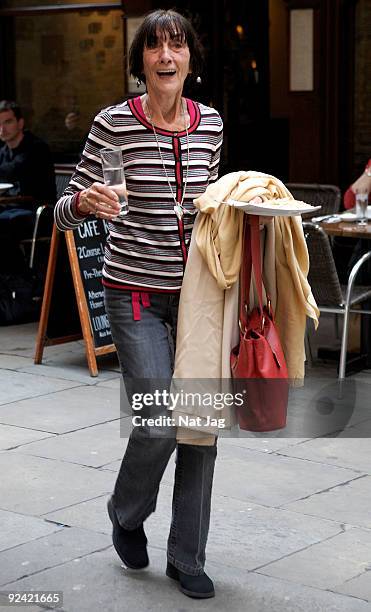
[147, 248]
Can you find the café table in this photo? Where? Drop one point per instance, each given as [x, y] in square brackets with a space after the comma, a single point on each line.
[347, 229]
[351, 229]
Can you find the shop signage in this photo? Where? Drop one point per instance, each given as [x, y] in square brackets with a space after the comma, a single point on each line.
[73, 304]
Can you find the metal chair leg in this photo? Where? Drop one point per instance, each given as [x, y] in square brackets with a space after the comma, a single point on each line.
[348, 301]
[344, 343]
[34, 235]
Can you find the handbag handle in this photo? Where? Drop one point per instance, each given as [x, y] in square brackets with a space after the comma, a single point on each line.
[245, 276]
[251, 260]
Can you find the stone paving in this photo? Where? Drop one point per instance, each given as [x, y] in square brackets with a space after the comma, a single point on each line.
[291, 517]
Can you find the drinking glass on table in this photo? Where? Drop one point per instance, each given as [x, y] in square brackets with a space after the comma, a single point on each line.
[361, 206]
[113, 174]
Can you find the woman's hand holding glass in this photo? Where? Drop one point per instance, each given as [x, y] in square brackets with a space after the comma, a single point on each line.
[109, 200]
[101, 201]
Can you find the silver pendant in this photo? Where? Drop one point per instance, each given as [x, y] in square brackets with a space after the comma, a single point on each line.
[178, 209]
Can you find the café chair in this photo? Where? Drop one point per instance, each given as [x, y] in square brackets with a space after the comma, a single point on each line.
[326, 196]
[43, 226]
[329, 294]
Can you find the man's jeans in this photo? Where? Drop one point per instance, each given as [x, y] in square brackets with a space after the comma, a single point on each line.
[144, 349]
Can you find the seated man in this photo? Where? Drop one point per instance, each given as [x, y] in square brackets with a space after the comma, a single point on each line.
[26, 162]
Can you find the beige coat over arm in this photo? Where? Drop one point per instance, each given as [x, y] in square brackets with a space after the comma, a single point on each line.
[208, 311]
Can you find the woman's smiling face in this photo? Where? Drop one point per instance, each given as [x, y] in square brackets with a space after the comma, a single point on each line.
[166, 64]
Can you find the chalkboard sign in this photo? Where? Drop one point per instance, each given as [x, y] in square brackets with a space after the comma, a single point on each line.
[73, 305]
[90, 238]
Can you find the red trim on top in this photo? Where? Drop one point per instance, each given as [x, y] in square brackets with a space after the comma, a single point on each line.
[76, 205]
[135, 105]
[179, 192]
[182, 240]
[178, 169]
[123, 287]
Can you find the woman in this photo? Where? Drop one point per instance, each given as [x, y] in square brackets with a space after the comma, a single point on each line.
[171, 149]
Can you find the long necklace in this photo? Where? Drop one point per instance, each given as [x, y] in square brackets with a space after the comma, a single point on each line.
[178, 206]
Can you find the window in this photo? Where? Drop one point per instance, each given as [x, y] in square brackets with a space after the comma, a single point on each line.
[68, 64]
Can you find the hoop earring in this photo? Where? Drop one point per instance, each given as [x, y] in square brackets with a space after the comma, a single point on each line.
[198, 80]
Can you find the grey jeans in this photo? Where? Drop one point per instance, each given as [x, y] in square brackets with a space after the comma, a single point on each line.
[145, 351]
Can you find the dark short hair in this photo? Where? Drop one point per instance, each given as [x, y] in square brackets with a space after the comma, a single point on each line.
[172, 24]
[6, 105]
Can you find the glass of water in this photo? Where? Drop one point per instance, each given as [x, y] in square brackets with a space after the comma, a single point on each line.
[113, 174]
[361, 206]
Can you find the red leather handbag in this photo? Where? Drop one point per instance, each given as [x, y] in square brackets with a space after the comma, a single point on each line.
[257, 363]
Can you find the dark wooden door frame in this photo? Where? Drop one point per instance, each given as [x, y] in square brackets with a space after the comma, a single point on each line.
[334, 84]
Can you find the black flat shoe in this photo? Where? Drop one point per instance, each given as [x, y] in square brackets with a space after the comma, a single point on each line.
[198, 587]
[131, 546]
